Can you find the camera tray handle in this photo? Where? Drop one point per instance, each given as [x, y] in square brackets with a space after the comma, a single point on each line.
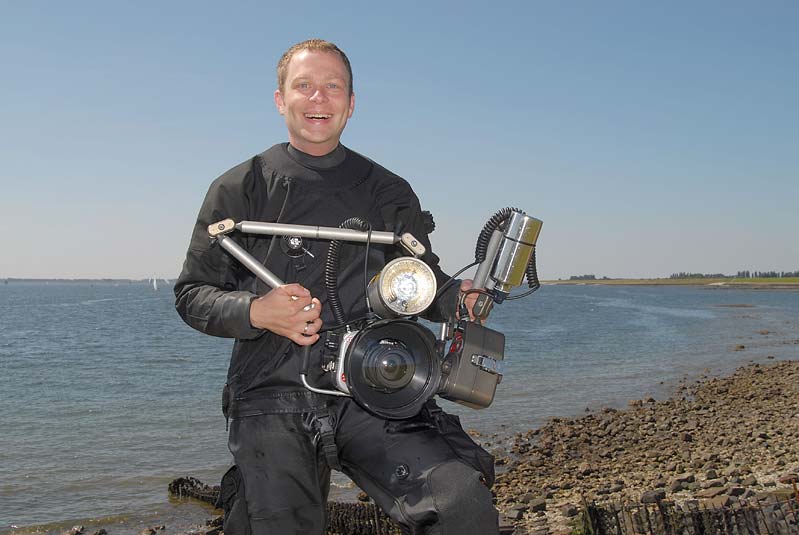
[482, 279]
[305, 364]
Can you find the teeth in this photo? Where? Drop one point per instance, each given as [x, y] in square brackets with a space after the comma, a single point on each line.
[318, 116]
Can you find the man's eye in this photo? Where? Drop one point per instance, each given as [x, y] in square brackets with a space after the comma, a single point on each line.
[303, 85]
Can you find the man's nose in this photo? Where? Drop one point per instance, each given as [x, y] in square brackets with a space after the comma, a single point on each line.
[318, 96]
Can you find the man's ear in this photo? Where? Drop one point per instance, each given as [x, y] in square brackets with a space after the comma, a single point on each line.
[281, 106]
[352, 105]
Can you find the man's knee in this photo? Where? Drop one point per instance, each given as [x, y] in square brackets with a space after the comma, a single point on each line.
[462, 500]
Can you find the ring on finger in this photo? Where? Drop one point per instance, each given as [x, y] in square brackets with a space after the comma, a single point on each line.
[305, 329]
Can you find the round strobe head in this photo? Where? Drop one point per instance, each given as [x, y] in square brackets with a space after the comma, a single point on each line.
[406, 286]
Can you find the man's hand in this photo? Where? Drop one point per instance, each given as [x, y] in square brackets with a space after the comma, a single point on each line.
[288, 311]
[470, 299]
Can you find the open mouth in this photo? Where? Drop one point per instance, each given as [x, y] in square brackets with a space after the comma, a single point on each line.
[318, 116]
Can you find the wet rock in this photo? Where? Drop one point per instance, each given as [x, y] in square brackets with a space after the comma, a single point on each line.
[721, 501]
[686, 477]
[676, 486]
[584, 469]
[517, 511]
[736, 491]
[568, 510]
[653, 496]
[505, 524]
[711, 492]
[539, 504]
[713, 483]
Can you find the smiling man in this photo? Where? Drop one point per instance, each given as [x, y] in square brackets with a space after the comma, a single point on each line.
[316, 98]
[425, 472]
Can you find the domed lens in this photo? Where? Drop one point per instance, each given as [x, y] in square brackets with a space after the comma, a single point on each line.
[393, 368]
[388, 366]
[404, 287]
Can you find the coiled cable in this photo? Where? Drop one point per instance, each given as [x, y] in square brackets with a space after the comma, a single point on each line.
[331, 268]
[488, 229]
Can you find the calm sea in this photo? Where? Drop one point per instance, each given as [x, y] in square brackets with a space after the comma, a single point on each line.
[107, 396]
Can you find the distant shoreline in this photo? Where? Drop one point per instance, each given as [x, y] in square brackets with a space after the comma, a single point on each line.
[785, 283]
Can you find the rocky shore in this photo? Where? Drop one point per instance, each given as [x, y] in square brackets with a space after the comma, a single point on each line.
[717, 441]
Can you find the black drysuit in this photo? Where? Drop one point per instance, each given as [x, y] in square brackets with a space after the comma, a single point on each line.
[424, 471]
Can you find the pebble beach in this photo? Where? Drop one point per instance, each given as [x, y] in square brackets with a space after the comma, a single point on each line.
[718, 440]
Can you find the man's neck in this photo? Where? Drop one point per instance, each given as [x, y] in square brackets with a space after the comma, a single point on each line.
[331, 159]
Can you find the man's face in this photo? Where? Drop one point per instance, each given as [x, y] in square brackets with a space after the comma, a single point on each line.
[315, 101]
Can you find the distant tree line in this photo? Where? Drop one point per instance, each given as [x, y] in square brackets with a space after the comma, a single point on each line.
[766, 274]
[686, 275]
[590, 277]
[746, 274]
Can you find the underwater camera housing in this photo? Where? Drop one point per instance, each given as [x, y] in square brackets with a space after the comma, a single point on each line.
[388, 362]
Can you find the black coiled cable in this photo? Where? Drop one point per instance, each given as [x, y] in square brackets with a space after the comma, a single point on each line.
[331, 269]
[488, 229]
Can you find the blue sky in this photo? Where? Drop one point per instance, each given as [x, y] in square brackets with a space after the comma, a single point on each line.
[650, 137]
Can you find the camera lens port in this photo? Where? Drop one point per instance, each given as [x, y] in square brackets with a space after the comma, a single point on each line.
[388, 366]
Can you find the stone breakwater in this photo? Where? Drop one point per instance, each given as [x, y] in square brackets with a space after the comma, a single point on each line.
[718, 440]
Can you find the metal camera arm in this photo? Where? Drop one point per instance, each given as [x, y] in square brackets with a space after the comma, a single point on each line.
[219, 231]
[407, 241]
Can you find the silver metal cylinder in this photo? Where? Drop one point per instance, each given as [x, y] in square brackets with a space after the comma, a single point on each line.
[484, 269]
[249, 261]
[320, 233]
[521, 233]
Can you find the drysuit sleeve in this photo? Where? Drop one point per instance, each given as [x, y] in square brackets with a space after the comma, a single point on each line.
[211, 294]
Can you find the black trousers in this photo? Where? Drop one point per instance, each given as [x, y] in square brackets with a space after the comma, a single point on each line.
[424, 472]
